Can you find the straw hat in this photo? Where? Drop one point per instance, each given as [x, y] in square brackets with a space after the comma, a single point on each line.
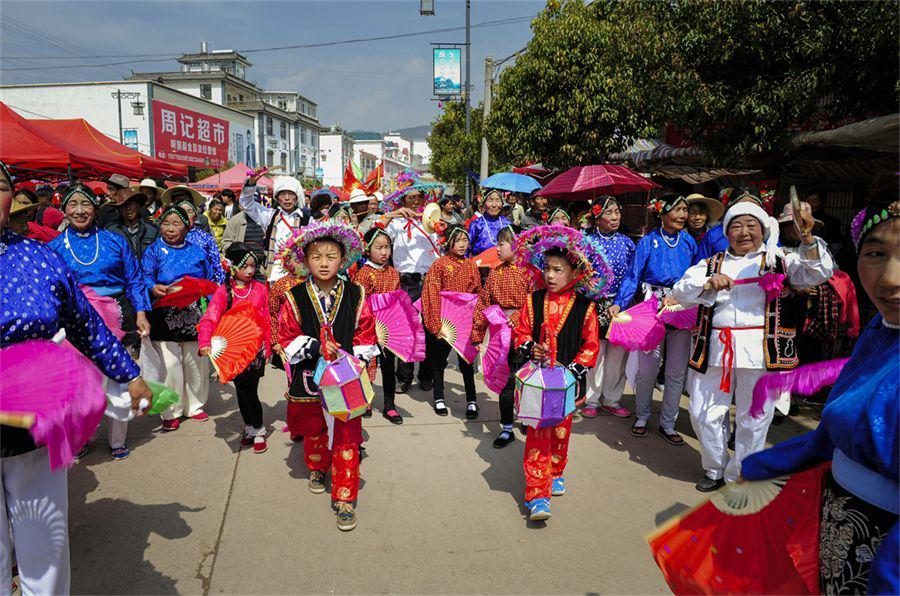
[149, 183]
[196, 197]
[358, 195]
[19, 204]
[129, 194]
[715, 209]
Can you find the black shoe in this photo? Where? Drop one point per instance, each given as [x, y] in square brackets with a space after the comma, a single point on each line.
[471, 411]
[367, 414]
[708, 485]
[503, 439]
[297, 438]
[394, 418]
[440, 408]
[426, 385]
[403, 386]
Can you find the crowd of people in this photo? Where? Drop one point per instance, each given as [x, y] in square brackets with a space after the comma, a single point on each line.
[306, 263]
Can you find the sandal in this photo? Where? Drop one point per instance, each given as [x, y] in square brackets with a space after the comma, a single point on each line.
[671, 438]
[639, 431]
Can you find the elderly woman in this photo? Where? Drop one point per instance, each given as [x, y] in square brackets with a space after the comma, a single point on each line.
[41, 297]
[559, 217]
[484, 230]
[746, 326]
[703, 212]
[190, 200]
[859, 540]
[607, 381]
[104, 262]
[173, 357]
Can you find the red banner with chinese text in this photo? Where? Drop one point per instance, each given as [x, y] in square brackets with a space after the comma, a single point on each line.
[189, 137]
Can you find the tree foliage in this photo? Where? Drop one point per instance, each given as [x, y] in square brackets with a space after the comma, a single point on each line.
[738, 77]
[453, 152]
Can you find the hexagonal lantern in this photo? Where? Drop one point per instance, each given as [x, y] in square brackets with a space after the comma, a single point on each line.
[344, 386]
[544, 395]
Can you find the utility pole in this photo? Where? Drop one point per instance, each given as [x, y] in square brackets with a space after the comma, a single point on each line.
[488, 89]
[118, 94]
[466, 92]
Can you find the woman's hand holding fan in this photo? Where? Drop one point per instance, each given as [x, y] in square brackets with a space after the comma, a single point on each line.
[184, 292]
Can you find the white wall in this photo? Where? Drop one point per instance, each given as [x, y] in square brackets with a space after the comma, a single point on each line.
[331, 155]
[422, 149]
[91, 102]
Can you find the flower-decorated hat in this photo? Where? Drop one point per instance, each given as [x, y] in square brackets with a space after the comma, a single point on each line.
[293, 255]
[583, 252]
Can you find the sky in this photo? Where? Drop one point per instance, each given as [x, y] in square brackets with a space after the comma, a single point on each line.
[376, 85]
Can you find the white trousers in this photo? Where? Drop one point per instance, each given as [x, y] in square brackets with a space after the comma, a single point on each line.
[607, 380]
[118, 432]
[178, 366]
[35, 519]
[678, 352]
[709, 417]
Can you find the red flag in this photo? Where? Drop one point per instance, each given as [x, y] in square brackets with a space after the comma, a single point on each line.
[373, 180]
[350, 179]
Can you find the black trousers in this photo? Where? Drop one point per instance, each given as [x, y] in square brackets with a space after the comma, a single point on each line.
[246, 386]
[436, 352]
[507, 394]
[411, 283]
[387, 362]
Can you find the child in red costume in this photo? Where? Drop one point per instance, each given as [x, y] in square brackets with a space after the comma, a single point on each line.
[240, 287]
[570, 268]
[453, 272]
[376, 276]
[325, 299]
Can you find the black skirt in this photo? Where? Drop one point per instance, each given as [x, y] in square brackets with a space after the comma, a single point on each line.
[850, 533]
[175, 324]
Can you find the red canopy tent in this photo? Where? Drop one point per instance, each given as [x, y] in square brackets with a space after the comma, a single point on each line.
[232, 178]
[21, 149]
[79, 136]
[584, 183]
[55, 146]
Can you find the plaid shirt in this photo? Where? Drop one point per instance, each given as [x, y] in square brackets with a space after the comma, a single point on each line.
[277, 296]
[447, 274]
[507, 286]
[377, 281]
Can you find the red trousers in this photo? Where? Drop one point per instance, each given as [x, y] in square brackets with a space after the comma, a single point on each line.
[343, 458]
[546, 454]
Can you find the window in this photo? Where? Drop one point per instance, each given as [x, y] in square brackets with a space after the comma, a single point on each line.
[269, 126]
[240, 97]
[282, 129]
[206, 91]
[302, 136]
[282, 104]
[312, 112]
[270, 158]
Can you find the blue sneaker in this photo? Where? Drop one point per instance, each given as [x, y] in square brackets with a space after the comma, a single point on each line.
[559, 487]
[120, 453]
[539, 509]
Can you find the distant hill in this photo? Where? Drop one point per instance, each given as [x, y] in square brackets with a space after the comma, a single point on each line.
[414, 132]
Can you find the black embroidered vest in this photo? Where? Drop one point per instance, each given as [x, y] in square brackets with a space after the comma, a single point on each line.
[568, 341]
[782, 319]
[303, 300]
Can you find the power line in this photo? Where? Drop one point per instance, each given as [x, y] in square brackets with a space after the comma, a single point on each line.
[156, 57]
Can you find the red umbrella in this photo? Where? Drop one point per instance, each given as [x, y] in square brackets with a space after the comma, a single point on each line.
[583, 183]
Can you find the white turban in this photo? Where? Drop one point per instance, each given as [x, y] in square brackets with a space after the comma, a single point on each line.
[769, 225]
[290, 183]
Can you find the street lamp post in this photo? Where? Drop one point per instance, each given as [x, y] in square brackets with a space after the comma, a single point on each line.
[118, 95]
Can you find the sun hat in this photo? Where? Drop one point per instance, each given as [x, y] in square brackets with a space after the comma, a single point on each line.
[714, 208]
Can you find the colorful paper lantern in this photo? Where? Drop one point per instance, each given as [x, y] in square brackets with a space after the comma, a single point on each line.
[345, 391]
[545, 396]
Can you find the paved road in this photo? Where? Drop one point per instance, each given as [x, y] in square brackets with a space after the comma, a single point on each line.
[439, 508]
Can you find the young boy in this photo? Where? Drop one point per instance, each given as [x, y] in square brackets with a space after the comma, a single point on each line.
[507, 286]
[572, 320]
[325, 299]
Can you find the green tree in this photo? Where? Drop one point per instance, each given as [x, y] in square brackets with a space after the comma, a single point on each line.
[453, 152]
[738, 77]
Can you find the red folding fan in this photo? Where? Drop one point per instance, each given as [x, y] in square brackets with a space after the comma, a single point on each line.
[456, 322]
[398, 325]
[235, 342]
[749, 538]
[487, 258]
[185, 292]
[637, 328]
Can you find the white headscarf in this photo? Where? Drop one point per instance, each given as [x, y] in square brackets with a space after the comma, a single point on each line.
[769, 225]
[290, 183]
